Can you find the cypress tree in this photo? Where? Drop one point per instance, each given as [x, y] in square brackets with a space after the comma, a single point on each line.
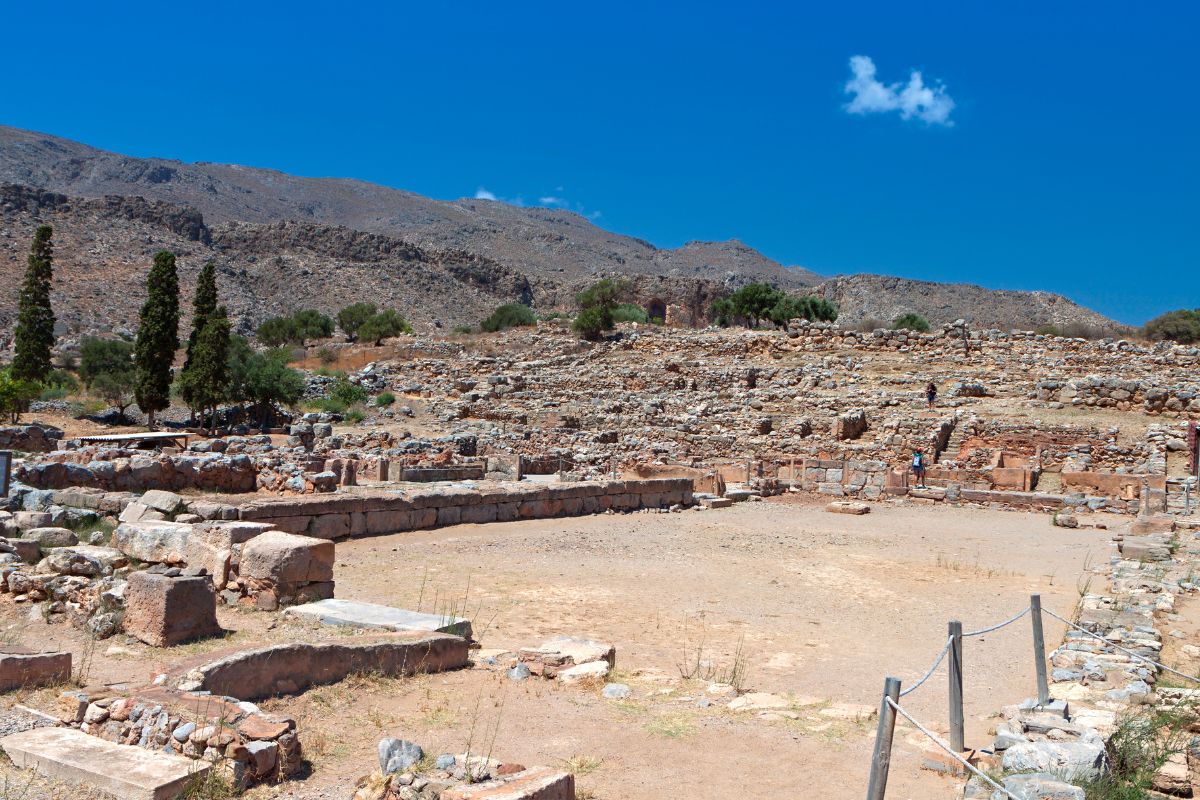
[206, 379]
[204, 305]
[34, 335]
[158, 336]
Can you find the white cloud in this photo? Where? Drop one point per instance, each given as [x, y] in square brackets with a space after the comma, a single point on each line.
[929, 104]
[545, 201]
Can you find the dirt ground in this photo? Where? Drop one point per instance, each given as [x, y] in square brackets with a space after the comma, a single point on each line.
[821, 606]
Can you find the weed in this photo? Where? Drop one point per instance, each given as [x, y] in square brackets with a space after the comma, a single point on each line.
[83, 667]
[695, 665]
[579, 765]
[1142, 744]
[210, 785]
[670, 726]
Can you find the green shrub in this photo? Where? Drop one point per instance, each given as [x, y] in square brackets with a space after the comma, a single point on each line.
[16, 394]
[592, 323]
[383, 325]
[554, 315]
[103, 355]
[597, 304]
[58, 384]
[628, 312]
[278, 331]
[328, 405]
[462, 329]
[296, 329]
[355, 416]
[326, 356]
[385, 399]
[347, 393]
[911, 322]
[509, 315]
[351, 318]
[312, 325]
[1181, 326]
[116, 389]
[756, 302]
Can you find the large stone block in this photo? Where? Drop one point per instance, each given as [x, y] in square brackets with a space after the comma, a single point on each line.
[288, 668]
[163, 611]
[535, 783]
[153, 542]
[130, 773]
[51, 537]
[381, 522]
[330, 526]
[285, 558]
[21, 668]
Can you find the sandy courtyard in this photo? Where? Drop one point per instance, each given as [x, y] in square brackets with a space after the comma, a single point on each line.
[823, 606]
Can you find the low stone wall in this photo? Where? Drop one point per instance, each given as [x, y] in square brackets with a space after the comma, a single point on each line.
[115, 471]
[30, 438]
[342, 515]
[1112, 484]
[250, 746]
[1122, 395]
[292, 668]
[853, 477]
[454, 472]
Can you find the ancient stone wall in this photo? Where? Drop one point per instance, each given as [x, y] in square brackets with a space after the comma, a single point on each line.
[30, 438]
[342, 515]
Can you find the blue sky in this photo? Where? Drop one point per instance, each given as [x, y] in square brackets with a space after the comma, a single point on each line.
[1054, 145]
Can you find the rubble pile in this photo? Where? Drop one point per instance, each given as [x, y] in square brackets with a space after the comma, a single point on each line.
[244, 744]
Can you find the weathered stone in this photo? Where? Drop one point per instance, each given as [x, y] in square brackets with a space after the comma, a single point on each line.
[153, 542]
[168, 503]
[163, 611]
[369, 615]
[255, 674]
[130, 773]
[285, 558]
[51, 537]
[535, 783]
[20, 669]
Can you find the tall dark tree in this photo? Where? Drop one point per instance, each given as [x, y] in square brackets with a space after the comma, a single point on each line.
[158, 336]
[206, 379]
[204, 306]
[34, 336]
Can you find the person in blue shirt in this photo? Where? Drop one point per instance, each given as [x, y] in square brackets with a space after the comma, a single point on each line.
[918, 468]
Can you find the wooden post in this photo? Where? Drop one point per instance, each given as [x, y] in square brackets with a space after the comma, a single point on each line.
[957, 734]
[881, 759]
[1039, 649]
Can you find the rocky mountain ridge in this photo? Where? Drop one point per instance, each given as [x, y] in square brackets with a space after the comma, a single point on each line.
[287, 242]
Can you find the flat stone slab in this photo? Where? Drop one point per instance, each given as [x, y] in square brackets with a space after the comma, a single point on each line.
[129, 773]
[20, 668]
[847, 507]
[292, 668]
[370, 615]
[535, 783]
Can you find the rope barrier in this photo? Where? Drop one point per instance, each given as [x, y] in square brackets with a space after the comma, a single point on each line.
[1125, 650]
[937, 661]
[982, 631]
[949, 750]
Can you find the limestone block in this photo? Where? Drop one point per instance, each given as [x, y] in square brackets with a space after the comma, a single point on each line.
[20, 668]
[163, 611]
[285, 558]
[153, 542]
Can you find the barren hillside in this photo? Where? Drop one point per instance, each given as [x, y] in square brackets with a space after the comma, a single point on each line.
[285, 242]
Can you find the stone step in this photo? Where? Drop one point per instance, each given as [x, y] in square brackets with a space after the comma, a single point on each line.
[535, 783]
[129, 773]
[370, 615]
